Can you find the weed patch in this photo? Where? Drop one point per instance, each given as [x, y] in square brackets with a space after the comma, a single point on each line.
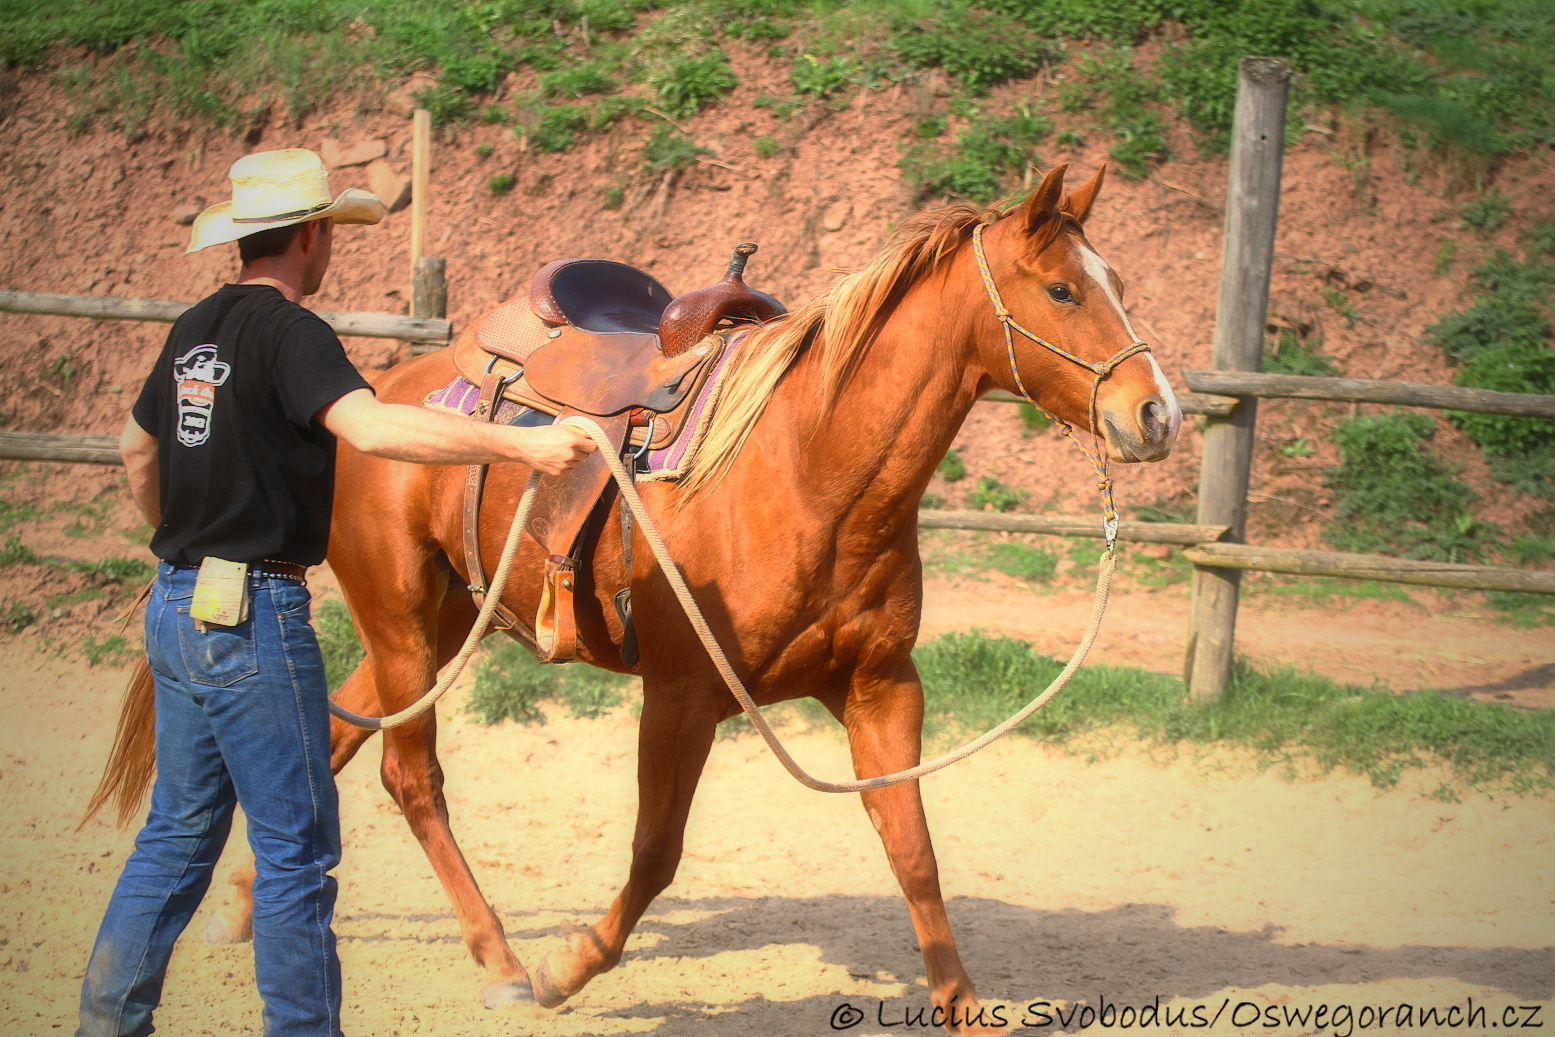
[16, 617]
[112, 650]
[992, 495]
[1292, 356]
[987, 151]
[688, 85]
[668, 151]
[977, 46]
[952, 468]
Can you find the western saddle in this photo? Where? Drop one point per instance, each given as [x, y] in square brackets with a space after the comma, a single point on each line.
[607, 340]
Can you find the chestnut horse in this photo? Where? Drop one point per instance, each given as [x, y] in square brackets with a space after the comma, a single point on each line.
[796, 530]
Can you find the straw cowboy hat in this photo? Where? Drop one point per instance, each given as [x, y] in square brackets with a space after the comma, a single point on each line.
[276, 189]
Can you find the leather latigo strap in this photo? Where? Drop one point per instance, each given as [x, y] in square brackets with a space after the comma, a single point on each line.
[474, 485]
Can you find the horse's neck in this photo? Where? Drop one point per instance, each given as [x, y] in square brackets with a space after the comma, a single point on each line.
[874, 446]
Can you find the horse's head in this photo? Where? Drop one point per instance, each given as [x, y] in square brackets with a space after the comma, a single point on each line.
[1056, 286]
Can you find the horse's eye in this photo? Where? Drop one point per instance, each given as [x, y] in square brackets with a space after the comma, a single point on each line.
[1059, 293]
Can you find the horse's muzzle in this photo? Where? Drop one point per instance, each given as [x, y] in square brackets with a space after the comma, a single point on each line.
[1146, 432]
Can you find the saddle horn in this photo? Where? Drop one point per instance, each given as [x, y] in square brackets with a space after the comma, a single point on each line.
[694, 315]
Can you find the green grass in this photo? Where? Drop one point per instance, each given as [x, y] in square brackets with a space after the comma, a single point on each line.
[972, 682]
[500, 184]
[1468, 79]
[687, 85]
[338, 642]
[1502, 341]
[1325, 592]
[1396, 497]
[510, 685]
[1523, 610]
[981, 162]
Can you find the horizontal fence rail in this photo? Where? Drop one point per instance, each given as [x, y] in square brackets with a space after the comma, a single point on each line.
[1364, 390]
[46, 446]
[1065, 525]
[1301, 562]
[1198, 541]
[109, 307]
[1189, 402]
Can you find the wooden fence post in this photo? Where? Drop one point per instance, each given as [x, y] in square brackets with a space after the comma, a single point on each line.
[1252, 213]
[429, 288]
[420, 174]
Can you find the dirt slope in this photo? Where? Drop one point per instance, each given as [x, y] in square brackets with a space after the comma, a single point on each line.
[93, 214]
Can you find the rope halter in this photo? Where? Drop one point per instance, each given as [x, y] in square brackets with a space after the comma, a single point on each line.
[1098, 456]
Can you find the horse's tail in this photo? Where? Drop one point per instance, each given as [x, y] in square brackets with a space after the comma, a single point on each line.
[133, 760]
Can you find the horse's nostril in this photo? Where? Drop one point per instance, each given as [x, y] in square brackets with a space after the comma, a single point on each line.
[1153, 425]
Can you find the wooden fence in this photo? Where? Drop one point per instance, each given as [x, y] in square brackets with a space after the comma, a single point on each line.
[1225, 396]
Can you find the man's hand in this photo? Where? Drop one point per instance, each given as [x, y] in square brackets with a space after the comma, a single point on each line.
[551, 449]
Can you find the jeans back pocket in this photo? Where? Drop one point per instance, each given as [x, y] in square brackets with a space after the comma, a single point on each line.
[218, 657]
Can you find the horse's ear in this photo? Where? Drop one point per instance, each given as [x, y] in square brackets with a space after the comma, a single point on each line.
[1078, 204]
[1044, 200]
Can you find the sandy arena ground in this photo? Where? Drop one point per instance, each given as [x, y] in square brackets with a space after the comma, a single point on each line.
[1200, 881]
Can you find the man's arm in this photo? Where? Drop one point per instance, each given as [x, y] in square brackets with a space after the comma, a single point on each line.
[139, 450]
[404, 433]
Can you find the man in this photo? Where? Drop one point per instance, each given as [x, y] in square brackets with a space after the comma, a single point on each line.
[230, 454]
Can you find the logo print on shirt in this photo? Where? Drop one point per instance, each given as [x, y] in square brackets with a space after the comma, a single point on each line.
[197, 373]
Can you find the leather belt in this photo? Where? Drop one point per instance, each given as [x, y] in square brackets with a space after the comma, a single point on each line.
[269, 568]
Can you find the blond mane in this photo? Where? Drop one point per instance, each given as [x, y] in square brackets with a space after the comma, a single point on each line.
[838, 325]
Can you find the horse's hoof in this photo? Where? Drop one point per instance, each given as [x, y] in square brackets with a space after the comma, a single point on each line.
[222, 931]
[547, 993]
[506, 992]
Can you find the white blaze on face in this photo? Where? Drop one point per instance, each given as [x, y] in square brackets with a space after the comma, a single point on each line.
[1097, 270]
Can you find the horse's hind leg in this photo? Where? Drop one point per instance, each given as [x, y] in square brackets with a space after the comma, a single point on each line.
[674, 737]
[884, 719]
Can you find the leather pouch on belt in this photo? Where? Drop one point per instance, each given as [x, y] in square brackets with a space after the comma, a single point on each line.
[220, 593]
[556, 632]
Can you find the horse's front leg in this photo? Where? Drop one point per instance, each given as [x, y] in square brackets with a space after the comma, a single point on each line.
[674, 736]
[884, 718]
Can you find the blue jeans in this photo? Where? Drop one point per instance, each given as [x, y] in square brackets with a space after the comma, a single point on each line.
[242, 718]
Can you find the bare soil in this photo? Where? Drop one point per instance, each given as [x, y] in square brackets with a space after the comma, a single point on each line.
[1193, 879]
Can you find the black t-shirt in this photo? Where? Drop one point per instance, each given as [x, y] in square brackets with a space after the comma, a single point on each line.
[246, 473]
